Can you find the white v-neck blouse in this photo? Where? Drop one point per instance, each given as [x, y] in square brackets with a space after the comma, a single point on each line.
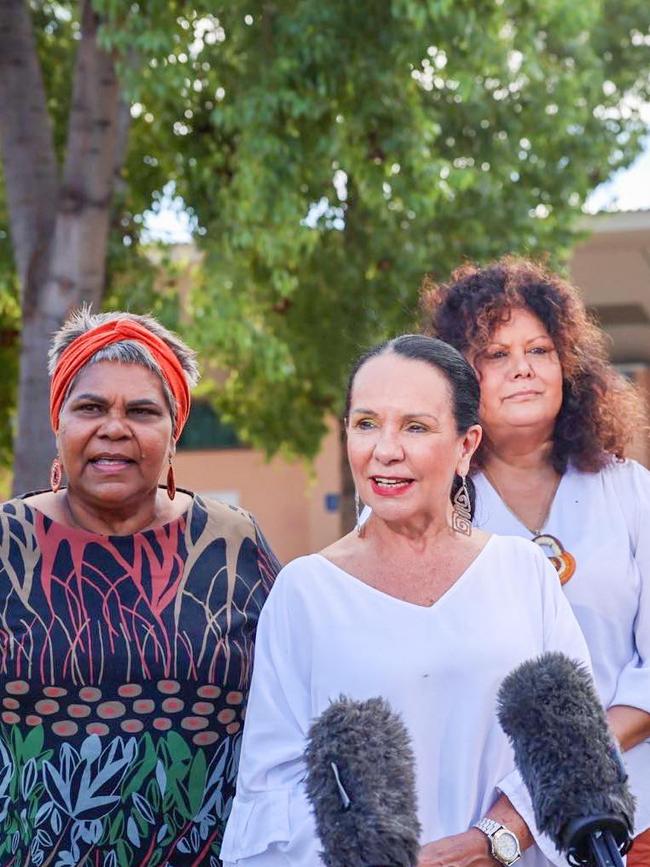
[603, 520]
[323, 633]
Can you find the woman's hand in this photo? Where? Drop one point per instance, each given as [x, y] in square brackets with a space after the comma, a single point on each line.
[470, 849]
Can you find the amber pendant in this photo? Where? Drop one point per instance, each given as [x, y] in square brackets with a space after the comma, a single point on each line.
[564, 562]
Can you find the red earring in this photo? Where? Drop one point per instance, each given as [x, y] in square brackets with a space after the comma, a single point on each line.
[171, 482]
[56, 475]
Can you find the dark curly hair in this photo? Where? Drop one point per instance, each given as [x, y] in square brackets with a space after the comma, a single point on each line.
[601, 411]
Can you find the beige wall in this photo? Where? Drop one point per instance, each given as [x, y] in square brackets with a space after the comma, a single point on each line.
[612, 269]
[287, 500]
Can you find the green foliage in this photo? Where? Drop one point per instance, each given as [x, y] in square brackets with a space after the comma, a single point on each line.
[143, 280]
[430, 133]
[331, 153]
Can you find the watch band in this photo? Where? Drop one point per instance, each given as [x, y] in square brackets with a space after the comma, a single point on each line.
[488, 826]
[492, 830]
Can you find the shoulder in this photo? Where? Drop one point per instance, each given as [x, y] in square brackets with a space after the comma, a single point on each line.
[218, 529]
[211, 521]
[520, 563]
[13, 506]
[614, 473]
[303, 577]
[307, 568]
[530, 583]
[628, 483]
[626, 472]
[516, 549]
[221, 520]
[19, 541]
[296, 591]
[17, 511]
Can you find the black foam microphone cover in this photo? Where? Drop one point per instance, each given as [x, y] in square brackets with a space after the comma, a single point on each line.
[361, 785]
[567, 759]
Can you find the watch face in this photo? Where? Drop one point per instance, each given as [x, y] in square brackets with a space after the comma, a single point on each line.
[505, 846]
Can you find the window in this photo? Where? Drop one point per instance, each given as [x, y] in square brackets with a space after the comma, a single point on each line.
[205, 430]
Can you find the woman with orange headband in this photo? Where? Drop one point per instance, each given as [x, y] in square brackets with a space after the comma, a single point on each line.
[128, 614]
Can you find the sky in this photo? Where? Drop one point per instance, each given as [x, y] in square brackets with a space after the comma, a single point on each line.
[627, 190]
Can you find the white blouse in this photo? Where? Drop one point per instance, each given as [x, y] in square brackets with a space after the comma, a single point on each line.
[323, 633]
[603, 520]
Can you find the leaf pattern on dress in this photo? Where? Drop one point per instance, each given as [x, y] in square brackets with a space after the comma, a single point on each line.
[82, 794]
[124, 669]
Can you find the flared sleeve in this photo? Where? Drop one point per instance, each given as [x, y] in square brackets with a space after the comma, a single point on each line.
[271, 824]
[562, 634]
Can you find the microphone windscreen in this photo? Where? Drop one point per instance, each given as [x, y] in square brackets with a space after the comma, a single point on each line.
[563, 748]
[361, 785]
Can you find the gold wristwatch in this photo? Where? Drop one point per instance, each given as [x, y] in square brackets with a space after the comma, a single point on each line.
[504, 845]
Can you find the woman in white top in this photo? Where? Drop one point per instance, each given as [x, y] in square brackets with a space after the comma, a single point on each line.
[556, 418]
[418, 609]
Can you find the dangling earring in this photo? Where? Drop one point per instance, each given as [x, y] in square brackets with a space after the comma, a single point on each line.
[360, 525]
[56, 475]
[461, 519]
[171, 481]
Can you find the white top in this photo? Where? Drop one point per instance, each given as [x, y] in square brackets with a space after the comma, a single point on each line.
[603, 520]
[323, 633]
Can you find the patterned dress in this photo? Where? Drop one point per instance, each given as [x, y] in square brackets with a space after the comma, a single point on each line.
[124, 671]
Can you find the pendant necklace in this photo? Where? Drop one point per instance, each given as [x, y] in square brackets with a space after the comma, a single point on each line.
[563, 561]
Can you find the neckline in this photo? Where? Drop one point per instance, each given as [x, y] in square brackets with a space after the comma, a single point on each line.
[404, 602]
[81, 531]
[515, 516]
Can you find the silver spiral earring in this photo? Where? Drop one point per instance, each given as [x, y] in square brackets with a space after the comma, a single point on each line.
[461, 519]
[357, 510]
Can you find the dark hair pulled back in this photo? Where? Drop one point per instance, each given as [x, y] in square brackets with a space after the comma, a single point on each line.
[459, 374]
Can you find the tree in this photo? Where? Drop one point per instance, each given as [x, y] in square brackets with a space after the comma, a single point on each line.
[378, 141]
[330, 154]
[59, 218]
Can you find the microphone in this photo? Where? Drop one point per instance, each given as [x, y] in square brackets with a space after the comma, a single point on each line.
[361, 785]
[567, 758]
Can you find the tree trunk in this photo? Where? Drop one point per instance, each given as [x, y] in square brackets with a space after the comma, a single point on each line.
[27, 147]
[348, 512]
[31, 177]
[59, 229]
[78, 265]
[34, 444]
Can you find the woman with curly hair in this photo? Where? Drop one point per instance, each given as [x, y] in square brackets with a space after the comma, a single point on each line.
[556, 418]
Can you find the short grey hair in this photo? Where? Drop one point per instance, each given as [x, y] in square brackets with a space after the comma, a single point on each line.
[125, 351]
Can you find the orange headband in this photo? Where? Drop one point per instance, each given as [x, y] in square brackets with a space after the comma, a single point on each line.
[82, 349]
